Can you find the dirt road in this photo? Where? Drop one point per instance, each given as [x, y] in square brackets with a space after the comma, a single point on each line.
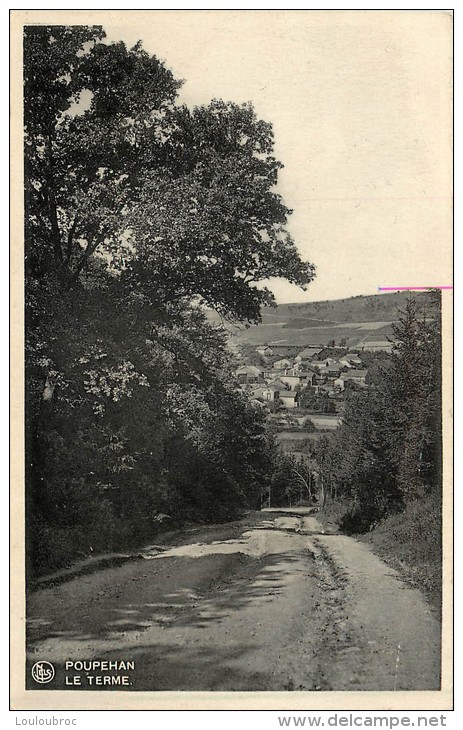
[270, 603]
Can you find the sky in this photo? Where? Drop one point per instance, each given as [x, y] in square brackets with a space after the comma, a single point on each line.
[360, 103]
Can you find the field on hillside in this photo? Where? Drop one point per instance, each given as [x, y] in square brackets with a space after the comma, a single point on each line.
[358, 321]
[285, 334]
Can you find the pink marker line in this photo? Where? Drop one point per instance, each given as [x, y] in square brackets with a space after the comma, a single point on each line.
[407, 288]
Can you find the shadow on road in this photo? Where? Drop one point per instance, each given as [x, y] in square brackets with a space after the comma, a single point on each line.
[153, 599]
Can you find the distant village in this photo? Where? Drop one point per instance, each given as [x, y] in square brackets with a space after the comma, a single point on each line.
[285, 373]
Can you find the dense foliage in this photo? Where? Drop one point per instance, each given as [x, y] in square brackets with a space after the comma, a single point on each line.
[138, 211]
[388, 450]
[316, 402]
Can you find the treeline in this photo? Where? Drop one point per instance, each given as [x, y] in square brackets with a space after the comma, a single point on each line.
[388, 451]
[138, 211]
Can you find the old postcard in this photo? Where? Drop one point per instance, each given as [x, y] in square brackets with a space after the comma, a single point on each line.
[232, 278]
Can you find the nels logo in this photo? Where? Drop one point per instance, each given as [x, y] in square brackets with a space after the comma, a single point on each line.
[43, 672]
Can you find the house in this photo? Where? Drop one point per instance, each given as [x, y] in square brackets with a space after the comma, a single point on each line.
[326, 362]
[308, 353]
[302, 367]
[264, 393]
[333, 370]
[292, 381]
[259, 392]
[271, 393]
[306, 377]
[278, 385]
[360, 377]
[264, 350]
[283, 350]
[283, 364]
[269, 375]
[249, 373]
[350, 360]
[377, 346]
[289, 398]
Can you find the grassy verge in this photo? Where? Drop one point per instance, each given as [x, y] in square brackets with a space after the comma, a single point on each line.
[410, 542]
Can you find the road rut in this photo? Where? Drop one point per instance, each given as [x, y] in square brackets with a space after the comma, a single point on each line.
[274, 603]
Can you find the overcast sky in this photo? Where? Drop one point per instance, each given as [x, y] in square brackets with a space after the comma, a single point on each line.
[360, 105]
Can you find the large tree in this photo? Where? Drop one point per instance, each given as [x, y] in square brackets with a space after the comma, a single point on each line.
[413, 386]
[180, 202]
[137, 211]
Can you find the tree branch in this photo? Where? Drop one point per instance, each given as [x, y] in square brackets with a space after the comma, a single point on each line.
[52, 207]
[71, 233]
[91, 248]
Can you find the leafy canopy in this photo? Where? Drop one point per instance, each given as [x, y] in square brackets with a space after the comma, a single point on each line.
[138, 210]
[121, 179]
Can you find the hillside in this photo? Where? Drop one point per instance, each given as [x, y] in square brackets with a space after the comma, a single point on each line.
[356, 321]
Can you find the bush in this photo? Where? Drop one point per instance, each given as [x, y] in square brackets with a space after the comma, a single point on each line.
[53, 546]
[361, 518]
[309, 425]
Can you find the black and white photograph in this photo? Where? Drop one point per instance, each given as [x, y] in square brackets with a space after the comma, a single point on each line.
[233, 259]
